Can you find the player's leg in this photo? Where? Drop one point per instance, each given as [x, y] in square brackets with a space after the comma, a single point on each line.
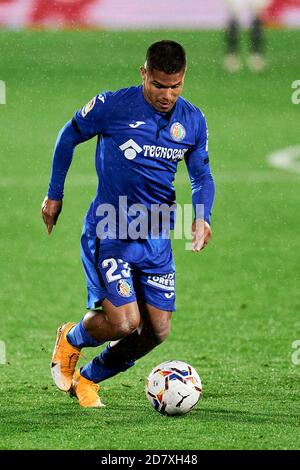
[113, 322]
[110, 323]
[232, 61]
[119, 355]
[256, 60]
[116, 319]
[157, 302]
[153, 330]
[232, 37]
[96, 327]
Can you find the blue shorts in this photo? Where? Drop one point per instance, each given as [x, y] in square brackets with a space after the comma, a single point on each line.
[127, 271]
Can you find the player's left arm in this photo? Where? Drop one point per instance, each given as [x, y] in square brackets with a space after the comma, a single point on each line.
[86, 124]
[203, 188]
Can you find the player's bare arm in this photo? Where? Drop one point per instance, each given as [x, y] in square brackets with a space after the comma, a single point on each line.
[50, 212]
[202, 233]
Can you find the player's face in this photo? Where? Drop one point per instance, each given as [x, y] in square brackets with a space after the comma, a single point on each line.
[162, 89]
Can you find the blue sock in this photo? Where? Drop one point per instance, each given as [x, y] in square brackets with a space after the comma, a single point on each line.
[79, 338]
[102, 367]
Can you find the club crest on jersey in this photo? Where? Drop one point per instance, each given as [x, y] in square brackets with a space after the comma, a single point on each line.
[177, 131]
[88, 107]
[124, 288]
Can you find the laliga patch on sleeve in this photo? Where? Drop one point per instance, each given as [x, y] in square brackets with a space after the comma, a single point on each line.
[88, 107]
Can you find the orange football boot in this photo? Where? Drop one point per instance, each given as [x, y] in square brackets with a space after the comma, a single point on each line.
[64, 358]
[86, 391]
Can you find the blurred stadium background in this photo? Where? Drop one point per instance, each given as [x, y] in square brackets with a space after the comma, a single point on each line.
[237, 319]
[134, 13]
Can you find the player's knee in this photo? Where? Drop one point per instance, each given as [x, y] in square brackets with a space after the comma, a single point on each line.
[125, 327]
[161, 334]
[127, 322]
[133, 323]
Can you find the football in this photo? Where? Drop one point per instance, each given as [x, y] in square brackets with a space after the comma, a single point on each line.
[173, 388]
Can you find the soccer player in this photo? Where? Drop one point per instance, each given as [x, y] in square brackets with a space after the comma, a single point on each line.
[142, 133]
[256, 61]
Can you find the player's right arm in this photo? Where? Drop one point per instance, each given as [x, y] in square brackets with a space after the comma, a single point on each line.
[87, 122]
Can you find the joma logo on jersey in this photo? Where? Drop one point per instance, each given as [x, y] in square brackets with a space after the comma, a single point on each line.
[130, 149]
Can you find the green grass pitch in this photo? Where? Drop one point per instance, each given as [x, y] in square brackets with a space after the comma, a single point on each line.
[237, 302]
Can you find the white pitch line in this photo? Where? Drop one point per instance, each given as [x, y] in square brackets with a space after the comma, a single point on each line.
[286, 159]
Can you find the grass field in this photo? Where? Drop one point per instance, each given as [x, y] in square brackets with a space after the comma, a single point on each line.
[237, 302]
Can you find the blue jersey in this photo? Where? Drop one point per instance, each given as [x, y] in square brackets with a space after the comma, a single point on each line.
[137, 153]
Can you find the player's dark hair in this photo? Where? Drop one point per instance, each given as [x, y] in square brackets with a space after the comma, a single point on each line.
[166, 56]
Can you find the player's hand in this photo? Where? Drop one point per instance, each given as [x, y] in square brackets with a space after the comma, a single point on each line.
[201, 233]
[50, 212]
